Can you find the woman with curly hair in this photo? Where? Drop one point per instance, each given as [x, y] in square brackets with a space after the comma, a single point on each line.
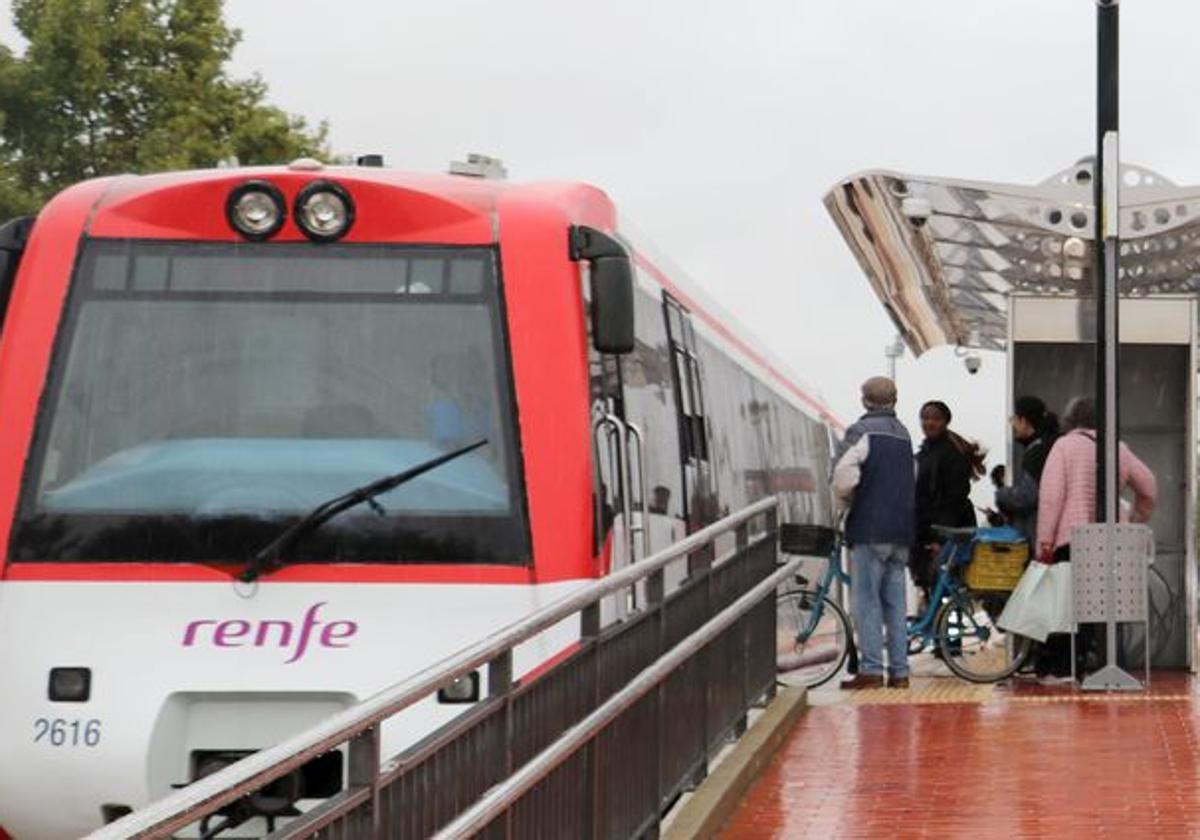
[947, 463]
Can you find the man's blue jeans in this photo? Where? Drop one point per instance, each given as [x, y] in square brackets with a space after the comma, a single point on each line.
[877, 601]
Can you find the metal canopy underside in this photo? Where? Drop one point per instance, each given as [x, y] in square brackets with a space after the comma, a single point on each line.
[944, 255]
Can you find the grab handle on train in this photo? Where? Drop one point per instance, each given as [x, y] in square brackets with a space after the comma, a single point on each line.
[636, 442]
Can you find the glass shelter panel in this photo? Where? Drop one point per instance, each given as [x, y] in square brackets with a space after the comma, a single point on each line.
[1154, 416]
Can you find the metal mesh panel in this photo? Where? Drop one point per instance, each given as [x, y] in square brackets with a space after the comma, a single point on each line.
[683, 740]
[628, 771]
[760, 651]
[625, 653]
[437, 786]
[559, 806]
[1133, 550]
[556, 700]
[684, 611]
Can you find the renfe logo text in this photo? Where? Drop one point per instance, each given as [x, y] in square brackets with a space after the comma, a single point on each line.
[272, 633]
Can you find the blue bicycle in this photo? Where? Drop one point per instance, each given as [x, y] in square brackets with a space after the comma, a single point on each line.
[958, 624]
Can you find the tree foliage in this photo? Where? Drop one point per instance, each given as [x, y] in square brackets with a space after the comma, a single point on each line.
[111, 86]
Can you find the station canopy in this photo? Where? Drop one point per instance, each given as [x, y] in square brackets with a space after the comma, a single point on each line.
[944, 255]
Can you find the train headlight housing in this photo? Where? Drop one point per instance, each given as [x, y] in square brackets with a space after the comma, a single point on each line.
[70, 685]
[324, 211]
[256, 210]
[465, 689]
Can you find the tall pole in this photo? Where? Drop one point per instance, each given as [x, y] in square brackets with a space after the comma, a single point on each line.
[1106, 183]
[1106, 200]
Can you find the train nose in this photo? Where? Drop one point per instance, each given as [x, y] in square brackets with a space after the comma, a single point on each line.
[277, 799]
[199, 733]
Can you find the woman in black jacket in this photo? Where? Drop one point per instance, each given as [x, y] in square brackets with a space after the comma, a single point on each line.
[946, 466]
[1036, 429]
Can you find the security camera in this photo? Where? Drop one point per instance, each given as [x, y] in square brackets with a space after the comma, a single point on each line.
[916, 209]
[973, 362]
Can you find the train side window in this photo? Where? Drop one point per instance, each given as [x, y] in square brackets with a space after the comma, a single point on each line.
[699, 432]
[685, 366]
[674, 321]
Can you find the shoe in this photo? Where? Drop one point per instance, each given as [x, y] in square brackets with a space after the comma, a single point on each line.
[861, 681]
[897, 682]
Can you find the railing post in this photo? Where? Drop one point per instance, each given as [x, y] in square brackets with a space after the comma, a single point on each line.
[771, 521]
[363, 771]
[655, 599]
[589, 630]
[700, 566]
[500, 683]
[700, 560]
[589, 622]
[500, 675]
[741, 630]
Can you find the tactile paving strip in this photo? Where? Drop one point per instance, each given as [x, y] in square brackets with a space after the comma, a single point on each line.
[922, 693]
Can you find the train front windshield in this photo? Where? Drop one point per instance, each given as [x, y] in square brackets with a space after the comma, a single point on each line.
[205, 395]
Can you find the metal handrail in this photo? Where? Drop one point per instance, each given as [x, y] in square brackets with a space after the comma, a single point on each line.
[636, 436]
[502, 796]
[208, 795]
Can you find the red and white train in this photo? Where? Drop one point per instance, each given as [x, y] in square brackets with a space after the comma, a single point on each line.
[192, 362]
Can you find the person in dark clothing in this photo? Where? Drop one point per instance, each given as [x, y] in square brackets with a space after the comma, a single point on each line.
[946, 466]
[1036, 429]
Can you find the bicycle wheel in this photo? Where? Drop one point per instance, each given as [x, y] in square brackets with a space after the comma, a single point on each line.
[810, 652]
[972, 646]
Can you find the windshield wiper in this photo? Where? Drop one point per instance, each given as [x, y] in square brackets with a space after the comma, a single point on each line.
[269, 557]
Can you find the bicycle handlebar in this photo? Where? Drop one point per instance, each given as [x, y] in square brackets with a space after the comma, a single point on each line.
[956, 534]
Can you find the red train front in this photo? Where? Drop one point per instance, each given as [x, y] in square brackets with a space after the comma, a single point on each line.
[193, 363]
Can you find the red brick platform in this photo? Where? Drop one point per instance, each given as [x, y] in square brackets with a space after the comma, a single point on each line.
[1030, 762]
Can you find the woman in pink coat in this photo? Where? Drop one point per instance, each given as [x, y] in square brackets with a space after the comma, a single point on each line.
[1067, 499]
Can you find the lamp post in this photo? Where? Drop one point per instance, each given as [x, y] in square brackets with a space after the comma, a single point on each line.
[1106, 200]
[1105, 194]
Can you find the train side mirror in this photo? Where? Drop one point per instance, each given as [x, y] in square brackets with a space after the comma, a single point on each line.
[611, 288]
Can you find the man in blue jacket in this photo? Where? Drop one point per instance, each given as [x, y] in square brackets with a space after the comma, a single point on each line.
[873, 476]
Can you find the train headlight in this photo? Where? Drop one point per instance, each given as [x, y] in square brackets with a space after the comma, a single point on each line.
[324, 211]
[70, 685]
[256, 210]
[465, 689]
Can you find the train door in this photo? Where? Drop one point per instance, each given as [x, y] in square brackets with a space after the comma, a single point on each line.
[649, 412]
[619, 491]
[698, 507]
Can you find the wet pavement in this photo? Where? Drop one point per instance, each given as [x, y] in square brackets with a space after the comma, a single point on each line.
[946, 758]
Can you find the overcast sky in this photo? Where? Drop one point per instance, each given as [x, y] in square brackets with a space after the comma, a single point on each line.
[718, 126]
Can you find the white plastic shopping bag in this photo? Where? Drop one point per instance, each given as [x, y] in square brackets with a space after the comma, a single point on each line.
[1041, 603]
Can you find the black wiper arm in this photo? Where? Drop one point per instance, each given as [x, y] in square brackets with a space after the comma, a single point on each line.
[269, 557]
